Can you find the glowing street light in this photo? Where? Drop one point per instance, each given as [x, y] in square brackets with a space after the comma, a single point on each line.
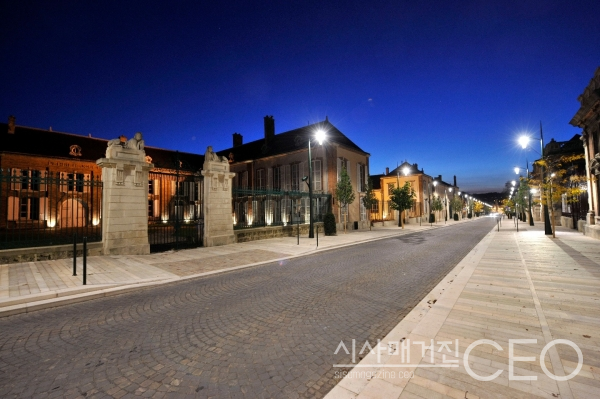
[524, 141]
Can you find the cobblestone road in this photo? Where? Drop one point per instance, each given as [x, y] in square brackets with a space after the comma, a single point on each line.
[268, 331]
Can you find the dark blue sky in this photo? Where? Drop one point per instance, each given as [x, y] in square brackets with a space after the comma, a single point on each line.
[449, 86]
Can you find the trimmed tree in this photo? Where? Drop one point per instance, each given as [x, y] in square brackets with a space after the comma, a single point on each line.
[402, 198]
[457, 205]
[369, 199]
[477, 208]
[436, 205]
[344, 194]
[522, 194]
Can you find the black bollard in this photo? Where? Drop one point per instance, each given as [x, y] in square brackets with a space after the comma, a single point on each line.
[317, 236]
[75, 254]
[84, 260]
[298, 229]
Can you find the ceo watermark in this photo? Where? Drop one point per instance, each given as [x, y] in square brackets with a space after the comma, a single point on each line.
[447, 355]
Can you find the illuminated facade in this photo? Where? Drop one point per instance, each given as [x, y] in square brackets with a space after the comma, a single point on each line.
[271, 175]
[425, 188]
[54, 182]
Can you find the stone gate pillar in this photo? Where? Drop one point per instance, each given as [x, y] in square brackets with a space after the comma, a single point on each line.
[125, 197]
[218, 222]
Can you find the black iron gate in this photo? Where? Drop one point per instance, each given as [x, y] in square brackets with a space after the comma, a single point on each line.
[175, 219]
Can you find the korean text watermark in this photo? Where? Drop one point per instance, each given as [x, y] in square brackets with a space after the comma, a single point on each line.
[445, 354]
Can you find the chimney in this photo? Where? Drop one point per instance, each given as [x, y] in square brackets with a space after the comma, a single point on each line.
[387, 171]
[238, 139]
[269, 128]
[11, 124]
[440, 178]
[417, 167]
[454, 180]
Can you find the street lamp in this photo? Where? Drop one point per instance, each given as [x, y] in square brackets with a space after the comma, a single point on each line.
[524, 142]
[320, 137]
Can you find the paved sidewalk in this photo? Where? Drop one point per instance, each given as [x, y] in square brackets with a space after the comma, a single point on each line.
[511, 286]
[30, 286]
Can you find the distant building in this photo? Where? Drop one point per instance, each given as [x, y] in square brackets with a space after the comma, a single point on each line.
[425, 187]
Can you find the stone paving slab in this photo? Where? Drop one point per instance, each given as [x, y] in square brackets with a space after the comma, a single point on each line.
[511, 286]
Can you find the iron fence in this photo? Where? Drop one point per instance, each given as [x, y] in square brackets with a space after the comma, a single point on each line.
[175, 218]
[41, 208]
[260, 208]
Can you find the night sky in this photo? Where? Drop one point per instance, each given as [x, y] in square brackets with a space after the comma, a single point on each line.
[449, 86]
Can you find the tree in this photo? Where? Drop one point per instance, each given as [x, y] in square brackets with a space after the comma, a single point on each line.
[560, 180]
[477, 207]
[457, 204]
[344, 194]
[436, 205]
[522, 194]
[369, 199]
[402, 198]
[507, 205]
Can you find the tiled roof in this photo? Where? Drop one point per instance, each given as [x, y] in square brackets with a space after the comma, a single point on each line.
[290, 141]
[53, 144]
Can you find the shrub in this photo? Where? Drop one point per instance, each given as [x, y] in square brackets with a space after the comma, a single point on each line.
[329, 224]
[469, 215]
[456, 216]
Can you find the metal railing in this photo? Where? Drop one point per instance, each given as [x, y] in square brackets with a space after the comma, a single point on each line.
[175, 219]
[41, 208]
[260, 208]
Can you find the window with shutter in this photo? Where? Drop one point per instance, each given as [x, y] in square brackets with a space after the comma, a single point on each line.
[13, 208]
[79, 184]
[286, 178]
[15, 179]
[316, 177]
[269, 178]
[260, 179]
[43, 209]
[277, 178]
[294, 177]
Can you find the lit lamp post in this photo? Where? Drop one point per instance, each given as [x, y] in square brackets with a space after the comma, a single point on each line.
[319, 136]
[524, 141]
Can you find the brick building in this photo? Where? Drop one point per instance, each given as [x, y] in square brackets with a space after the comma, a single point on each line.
[271, 175]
